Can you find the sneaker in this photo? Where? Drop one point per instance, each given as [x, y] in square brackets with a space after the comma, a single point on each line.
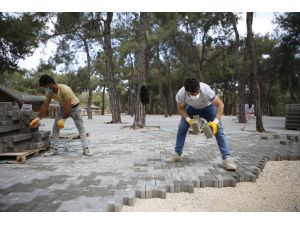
[173, 158]
[51, 151]
[88, 152]
[229, 164]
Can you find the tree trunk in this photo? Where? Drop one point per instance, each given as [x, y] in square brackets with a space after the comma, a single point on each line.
[90, 91]
[140, 112]
[239, 77]
[251, 49]
[112, 90]
[171, 105]
[103, 101]
[160, 89]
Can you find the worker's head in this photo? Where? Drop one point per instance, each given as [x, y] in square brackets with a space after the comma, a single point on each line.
[47, 83]
[192, 87]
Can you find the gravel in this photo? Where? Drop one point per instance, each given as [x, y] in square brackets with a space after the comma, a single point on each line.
[276, 190]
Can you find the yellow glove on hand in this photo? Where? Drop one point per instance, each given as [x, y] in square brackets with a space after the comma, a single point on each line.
[190, 121]
[34, 122]
[60, 124]
[214, 126]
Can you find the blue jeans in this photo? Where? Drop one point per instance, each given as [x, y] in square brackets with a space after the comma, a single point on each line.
[209, 114]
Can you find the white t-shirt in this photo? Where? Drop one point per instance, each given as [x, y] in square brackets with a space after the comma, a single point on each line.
[207, 95]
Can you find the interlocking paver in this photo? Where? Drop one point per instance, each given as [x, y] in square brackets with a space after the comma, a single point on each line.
[129, 164]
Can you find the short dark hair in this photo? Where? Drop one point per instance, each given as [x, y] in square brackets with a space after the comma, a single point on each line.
[191, 85]
[46, 80]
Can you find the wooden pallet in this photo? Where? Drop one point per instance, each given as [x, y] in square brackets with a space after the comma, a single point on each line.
[19, 157]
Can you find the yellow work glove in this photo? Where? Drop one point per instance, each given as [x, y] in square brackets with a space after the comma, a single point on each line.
[34, 122]
[190, 121]
[60, 124]
[214, 126]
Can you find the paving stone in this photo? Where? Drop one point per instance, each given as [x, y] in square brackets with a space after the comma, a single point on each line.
[285, 142]
[229, 181]
[177, 186]
[187, 186]
[41, 134]
[133, 167]
[5, 104]
[264, 137]
[250, 177]
[38, 145]
[129, 198]
[22, 137]
[170, 186]
[211, 181]
[141, 192]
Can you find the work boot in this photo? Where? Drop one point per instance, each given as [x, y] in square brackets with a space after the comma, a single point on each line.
[229, 164]
[173, 158]
[51, 151]
[88, 152]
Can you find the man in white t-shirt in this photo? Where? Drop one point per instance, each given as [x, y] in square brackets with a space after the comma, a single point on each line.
[197, 98]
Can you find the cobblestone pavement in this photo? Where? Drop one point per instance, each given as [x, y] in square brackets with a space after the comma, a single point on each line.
[129, 164]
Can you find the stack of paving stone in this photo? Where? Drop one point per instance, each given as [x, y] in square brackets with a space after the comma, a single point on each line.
[15, 134]
[292, 119]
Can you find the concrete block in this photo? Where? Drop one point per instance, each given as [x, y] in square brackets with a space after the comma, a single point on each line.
[285, 142]
[207, 132]
[3, 123]
[10, 113]
[129, 198]
[18, 147]
[22, 137]
[26, 113]
[177, 186]
[40, 139]
[5, 104]
[196, 183]
[229, 181]
[264, 137]
[250, 177]
[15, 108]
[115, 205]
[7, 138]
[170, 186]
[211, 181]
[276, 136]
[41, 134]
[202, 182]
[39, 145]
[187, 186]
[9, 128]
[141, 192]
[15, 118]
[148, 192]
[159, 192]
[220, 180]
[238, 176]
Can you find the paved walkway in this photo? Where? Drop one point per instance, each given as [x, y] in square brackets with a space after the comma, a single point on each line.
[129, 164]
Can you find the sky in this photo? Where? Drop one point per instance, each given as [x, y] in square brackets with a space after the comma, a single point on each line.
[262, 23]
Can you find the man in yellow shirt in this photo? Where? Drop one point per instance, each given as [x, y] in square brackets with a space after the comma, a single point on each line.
[69, 107]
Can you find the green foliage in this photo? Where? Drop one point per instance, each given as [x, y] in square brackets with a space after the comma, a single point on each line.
[20, 35]
[179, 45]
